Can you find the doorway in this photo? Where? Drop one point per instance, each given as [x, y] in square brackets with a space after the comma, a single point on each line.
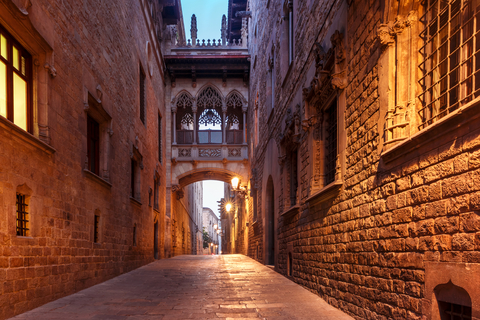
[270, 217]
[155, 240]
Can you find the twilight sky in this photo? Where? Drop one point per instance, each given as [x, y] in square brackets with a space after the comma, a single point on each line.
[212, 192]
[209, 17]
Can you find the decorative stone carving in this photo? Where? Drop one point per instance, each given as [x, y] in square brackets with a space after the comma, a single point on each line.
[339, 77]
[175, 188]
[99, 93]
[209, 152]
[396, 124]
[308, 123]
[174, 161]
[243, 14]
[24, 6]
[338, 44]
[180, 194]
[387, 32]
[234, 152]
[185, 152]
[223, 30]
[51, 70]
[385, 37]
[244, 32]
[193, 30]
[339, 80]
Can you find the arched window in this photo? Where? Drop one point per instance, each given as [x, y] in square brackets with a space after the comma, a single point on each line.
[184, 119]
[209, 104]
[234, 119]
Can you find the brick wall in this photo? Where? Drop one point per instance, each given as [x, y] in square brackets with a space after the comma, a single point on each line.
[367, 250]
[93, 44]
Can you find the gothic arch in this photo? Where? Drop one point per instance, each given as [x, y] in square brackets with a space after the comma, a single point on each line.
[232, 99]
[181, 98]
[207, 87]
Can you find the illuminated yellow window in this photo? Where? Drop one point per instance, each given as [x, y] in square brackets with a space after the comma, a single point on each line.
[15, 82]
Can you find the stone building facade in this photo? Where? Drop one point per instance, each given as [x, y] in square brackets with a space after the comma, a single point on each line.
[211, 223]
[364, 147]
[82, 135]
[187, 221]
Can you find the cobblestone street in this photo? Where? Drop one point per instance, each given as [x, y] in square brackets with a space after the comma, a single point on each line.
[192, 287]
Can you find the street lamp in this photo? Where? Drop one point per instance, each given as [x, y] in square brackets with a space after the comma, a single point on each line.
[237, 188]
[228, 207]
[215, 226]
[235, 182]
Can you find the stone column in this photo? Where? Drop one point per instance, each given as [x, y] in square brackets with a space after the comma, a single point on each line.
[174, 111]
[244, 110]
[224, 124]
[194, 110]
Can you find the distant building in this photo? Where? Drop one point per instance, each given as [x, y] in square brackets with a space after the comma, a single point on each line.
[211, 223]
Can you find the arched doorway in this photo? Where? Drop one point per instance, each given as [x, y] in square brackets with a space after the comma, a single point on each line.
[270, 223]
[155, 240]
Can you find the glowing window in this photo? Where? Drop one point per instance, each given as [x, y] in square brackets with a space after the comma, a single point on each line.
[15, 82]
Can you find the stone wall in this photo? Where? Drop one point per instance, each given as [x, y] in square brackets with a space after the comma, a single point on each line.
[92, 48]
[403, 218]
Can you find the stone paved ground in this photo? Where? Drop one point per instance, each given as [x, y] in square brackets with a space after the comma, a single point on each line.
[192, 287]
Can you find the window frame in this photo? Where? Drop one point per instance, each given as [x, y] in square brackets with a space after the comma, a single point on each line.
[28, 78]
[93, 137]
[22, 216]
[432, 109]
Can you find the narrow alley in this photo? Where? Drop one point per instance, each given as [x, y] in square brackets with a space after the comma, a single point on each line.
[192, 287]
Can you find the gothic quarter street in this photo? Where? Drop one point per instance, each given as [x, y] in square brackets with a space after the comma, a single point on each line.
[192, 287]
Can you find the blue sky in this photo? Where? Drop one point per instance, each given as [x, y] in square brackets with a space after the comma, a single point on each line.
[209, 17]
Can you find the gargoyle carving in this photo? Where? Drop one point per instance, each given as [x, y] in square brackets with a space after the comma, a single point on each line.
[51, 70]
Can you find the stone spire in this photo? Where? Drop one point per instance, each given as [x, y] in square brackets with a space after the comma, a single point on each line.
[193, 30]
[224, 30]
[244, 32]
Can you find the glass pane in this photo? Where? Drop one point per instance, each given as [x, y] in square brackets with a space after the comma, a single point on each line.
[19, 102]
[216, 136]
[16, 63]
[3, 89]
[3, 46]
[203, 137]
[23, 66]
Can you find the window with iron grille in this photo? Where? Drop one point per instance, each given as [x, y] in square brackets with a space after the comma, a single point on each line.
[331, 143]
[96, 229]
[93, 142]
[15, 82]
[22, 216]
[452, 311]
[142, 95]
[451, 57]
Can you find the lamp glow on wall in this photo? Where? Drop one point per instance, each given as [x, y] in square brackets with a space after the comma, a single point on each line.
[235, 182]
[236, 187]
